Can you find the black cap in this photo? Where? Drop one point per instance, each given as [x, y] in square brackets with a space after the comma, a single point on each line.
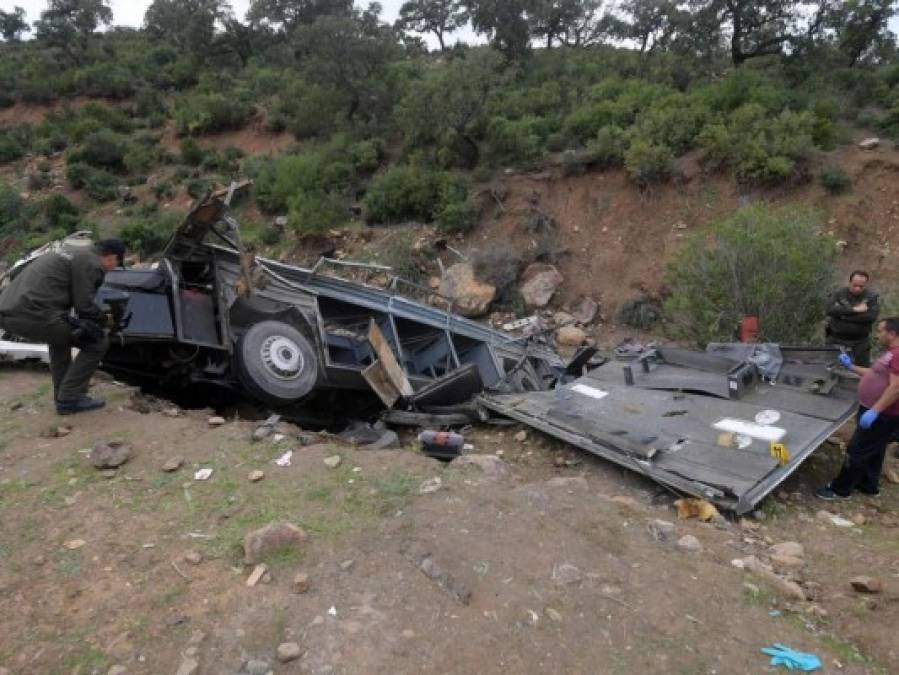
[114, 247]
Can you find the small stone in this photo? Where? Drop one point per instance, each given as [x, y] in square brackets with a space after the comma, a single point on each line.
[430, 485]
[786, 562]
[109, 455]
[193, 557]
[346, 565]
[171, 412]
[188, 667]
[748, 525]
[255, 476]
[689, 544]
[63, 431]
[521, 436]
[333, 461]
[267, 578]
[858, 519]
[571, 336]
[74, 544]
[216, 421]
[788, 548]
[117, 670]
[866, 584]
[173, 464]
[892, 476]
[256, 575]
[553, 614]
[662, 530]
[300, 582]
[288, 651]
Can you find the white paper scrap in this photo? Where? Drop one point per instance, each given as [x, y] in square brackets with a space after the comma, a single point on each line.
[747, 428]
[592, 392]
[203, 474]
[284, 460]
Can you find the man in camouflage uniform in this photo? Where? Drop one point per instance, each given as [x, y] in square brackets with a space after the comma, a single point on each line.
[851, 313]
[37, 306]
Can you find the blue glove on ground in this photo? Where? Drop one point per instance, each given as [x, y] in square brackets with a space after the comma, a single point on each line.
[845, 360]
[781, 655]
[868, 418]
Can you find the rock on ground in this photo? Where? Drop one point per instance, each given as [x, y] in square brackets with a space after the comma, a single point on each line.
[869, 143]
[570, 336]
[585, 310]
[272, 538]
[689, 544]
[539, 283]
[173, 464]
[865, 584]
[300, 582]
[109, 455]
[188, 667]
[470, 296]
[662, 530]
[288, 651]
[491, 465]
[791, 549]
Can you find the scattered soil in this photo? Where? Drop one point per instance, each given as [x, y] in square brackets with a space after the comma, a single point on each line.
[563, 575]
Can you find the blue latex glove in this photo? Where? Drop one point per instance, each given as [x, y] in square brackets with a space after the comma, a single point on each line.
[845, 360]
[868, 418]
[781, 655]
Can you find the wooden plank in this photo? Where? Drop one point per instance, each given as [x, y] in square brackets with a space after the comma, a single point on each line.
[388, 360]
[378, 379]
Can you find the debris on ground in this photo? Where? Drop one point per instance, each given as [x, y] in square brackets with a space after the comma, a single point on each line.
[56, 432]
[693, 507]
[333, 461]
[266, 429]
[300, 582]
[203, 474]
[255, 476]
[662, 531]
[256, 575]
[430, 485]
[216, 421]
[689, 544]
[193, 557]
[781, 655]
[443, 445]
[109, 455]
[834, 519]
[284, 460]
[444, 581]
[74, 544]
[272, 538]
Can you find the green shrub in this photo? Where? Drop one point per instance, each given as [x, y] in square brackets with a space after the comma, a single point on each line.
[647, 163]
[11, 205]
[191, 152]
[835, 180]
[772, 263]
[316, 212]
[39, 180]
[149, 235]
[457, 217]
[411, 193]
[366, 156]
[760, 148]
[514, 140]
[207, 113]
[608, 148]
[60, 213]
[197, 187]
[100, 185]
[10, 148]
[642, 313]
[104, 149]
[139, 159]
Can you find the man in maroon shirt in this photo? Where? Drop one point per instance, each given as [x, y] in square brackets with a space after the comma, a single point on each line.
[877, 419]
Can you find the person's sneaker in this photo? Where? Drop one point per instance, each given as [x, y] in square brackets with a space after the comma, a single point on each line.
[79, 405]
[827, 494]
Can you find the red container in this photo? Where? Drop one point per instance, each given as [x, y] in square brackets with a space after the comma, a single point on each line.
[749, 329]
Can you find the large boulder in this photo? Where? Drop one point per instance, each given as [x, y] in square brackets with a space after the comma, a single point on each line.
[570, 336]
[470, 297]
[585, 310]
[538, 284]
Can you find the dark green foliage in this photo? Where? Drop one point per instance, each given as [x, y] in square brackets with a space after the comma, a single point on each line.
[835, 180]
[647, 163]
[772, 263]
[100, 185]
[59, 213]
[105, 149]
[10, 148]
[197, 187]
[405, 193]
[11, 206]
[148, 235]
[204, 113]
[642, 313]
[191, 152]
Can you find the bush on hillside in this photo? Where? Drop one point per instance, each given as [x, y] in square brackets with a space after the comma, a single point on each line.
[835, 180]
[410, 193]
[772, 263]
[202, 113]
[11, 148]
[100, 185]
[103, 149]
[647, 163]
[149, 235]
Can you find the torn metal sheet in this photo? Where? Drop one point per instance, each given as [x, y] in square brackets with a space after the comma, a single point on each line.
[665, 419]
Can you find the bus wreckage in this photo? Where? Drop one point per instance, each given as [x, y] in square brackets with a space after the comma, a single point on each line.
[728, 424]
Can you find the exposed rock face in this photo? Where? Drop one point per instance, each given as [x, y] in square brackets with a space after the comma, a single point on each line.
[538, 284]
[470, 297]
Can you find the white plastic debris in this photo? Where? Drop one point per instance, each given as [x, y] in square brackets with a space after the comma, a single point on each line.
[284, 460]
[766, 417]
[332, 611]
[430, 485]
[839, 521]
[203, 474]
